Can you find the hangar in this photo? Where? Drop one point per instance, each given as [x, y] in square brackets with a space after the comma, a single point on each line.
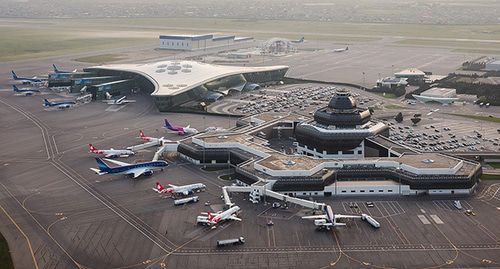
[174, 83]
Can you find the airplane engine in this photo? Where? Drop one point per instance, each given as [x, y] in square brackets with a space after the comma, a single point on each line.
[148, 173]
[319, 222]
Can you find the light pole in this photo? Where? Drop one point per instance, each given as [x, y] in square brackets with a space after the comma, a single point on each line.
[364, 80]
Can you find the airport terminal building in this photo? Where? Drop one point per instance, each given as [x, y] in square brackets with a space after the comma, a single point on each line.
[383, 167]
[174, 84]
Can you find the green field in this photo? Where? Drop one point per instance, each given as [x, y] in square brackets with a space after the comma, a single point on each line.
[23, 43]
[100, 59]
[494, 165]
[490, 177]
[476, 117]
[5, 259]
[35, 38]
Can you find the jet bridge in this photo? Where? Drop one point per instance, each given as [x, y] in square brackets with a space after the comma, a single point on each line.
[260, 189]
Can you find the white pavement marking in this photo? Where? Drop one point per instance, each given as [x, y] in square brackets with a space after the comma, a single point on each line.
[423, 219]
[436, 219]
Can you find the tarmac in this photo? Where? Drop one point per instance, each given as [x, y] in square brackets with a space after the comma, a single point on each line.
[56, 213]
[56, 208]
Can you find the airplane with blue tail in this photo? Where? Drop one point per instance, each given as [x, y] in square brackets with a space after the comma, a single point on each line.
[133, 169]
[60, 105]
[25, 80]
[58, 71]
[25, 92]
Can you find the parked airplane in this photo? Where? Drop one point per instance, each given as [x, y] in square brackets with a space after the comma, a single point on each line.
[329, 219]
[120, 101]
[184, 190]
[25, 80]
[60, 105]
[111, 153]
[25, 92]
[143, 137]
[209, 219]
[133, 169]
[301, 40]
[341, 50]
[180, 130]
[57, 71]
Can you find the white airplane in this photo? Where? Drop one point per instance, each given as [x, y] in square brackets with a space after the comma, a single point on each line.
[59, 105]
[329, 219]
[184, 190]
[209, 219]
[301, 40]
[133, 169]
[341, 50]
[121, 101]
[145, 138]
[111, 153]
[26, 80]
[24, 92]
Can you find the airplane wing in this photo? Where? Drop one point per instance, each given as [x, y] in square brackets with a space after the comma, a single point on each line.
[117, 162]
[172, 185]
[234, 218]
[97, 171]
[340, 216]
[138, 171]
[109, 155]
[315, 217]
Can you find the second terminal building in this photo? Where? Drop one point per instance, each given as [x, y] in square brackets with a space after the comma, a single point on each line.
[179, 84]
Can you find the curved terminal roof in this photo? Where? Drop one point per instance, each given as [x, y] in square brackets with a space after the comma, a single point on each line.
[175, 77]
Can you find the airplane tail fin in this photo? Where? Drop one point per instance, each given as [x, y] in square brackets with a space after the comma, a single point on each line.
[92, 148]
[210, 216]
[102, 165]
[347, 48]
[159, 187]
[14, 76]
[141, 134]
[55, 68]
[46, 102]
[14, 88]
[108, 95]
[167, 124]
[302, 39]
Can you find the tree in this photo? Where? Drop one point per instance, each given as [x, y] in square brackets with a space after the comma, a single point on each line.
[399, 117]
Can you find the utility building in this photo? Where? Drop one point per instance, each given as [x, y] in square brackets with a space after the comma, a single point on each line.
[199, 42]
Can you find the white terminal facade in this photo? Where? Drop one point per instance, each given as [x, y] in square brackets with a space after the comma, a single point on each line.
[386, 169]
[173, 83]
